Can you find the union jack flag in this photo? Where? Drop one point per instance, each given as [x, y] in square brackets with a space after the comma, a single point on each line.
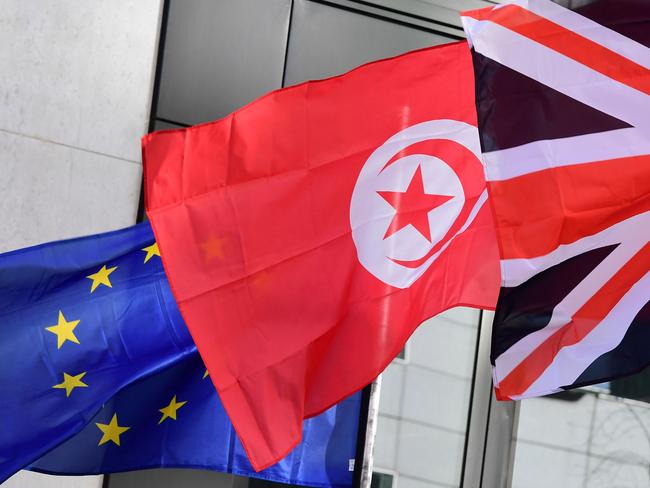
[563, 101]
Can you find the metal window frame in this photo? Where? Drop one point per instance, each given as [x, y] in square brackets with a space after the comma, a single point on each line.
[431, 10]
[491, 425]
[406, 19]
[407, 353]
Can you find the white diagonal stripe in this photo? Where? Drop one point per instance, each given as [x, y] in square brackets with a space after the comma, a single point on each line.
[566, 309]
[559, 72]
[554, 153]
[589, 29]
[516, 271]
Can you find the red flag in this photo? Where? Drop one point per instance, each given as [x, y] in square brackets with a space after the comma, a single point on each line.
[308, 234]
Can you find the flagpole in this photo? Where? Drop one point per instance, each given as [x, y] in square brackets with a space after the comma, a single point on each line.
[368, 417]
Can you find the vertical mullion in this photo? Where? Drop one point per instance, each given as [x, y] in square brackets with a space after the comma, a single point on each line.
[500, 444]
[164, 19]
[286, 47]
[479, 408]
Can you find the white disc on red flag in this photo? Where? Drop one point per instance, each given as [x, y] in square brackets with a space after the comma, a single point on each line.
[409, 202]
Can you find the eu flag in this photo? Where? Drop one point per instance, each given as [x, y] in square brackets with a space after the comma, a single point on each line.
[99, 373]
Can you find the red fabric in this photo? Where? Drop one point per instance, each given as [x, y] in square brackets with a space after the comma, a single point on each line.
[252, 217]
[610, 191]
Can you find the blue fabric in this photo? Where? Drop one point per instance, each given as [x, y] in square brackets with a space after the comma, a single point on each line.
[135, 354]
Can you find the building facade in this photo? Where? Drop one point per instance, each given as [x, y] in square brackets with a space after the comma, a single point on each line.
[81, 82]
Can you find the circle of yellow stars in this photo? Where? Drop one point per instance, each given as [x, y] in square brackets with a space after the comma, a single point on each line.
[64, 331]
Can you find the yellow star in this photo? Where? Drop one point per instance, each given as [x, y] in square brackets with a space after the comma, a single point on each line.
[111, 431]
[205, 375]
[71, 382]
[212, 248]
[261, 280]
[170, 410]
[101, 278]
[64, 330]
[151, 251]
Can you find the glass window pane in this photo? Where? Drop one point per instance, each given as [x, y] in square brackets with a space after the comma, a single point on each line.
[381, 480]
[220, 55]
[424, 403]
[402, 354]
[327, 41]
[585, 438]
[635, 387]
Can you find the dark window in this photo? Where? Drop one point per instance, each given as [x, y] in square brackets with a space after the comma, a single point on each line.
[381, 480]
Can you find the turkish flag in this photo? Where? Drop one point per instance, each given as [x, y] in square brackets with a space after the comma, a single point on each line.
[308, 234]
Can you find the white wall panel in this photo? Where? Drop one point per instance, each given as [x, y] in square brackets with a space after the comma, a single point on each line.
[51, 192]
[386, 443]
[572, 430]
[429, 454]
[392, 381]
[436, 399]
[79, 73]
[544, 467]
[27, 479]
[442, 343]
[595, 441]
[75, 91]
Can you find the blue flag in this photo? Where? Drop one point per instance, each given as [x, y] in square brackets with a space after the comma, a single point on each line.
[99, 373]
